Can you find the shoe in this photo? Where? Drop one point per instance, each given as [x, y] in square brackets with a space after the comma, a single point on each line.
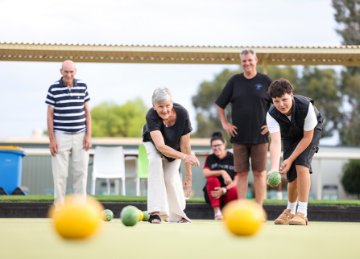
[154, 219]
[299, 219]
[284, 218]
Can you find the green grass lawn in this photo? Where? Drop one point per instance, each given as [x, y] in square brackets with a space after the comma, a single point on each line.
[105, 198]
[35, 238]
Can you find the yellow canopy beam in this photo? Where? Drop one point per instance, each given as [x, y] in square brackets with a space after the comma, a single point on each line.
[275, 55]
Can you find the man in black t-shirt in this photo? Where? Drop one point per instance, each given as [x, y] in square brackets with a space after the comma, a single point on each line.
[247, 93]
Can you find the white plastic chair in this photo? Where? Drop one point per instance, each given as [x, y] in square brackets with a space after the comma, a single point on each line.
[142, 167]
[109, 163]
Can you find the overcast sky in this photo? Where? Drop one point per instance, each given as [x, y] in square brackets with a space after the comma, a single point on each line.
[157, 22]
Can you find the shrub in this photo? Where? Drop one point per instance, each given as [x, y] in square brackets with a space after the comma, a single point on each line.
[351, 177]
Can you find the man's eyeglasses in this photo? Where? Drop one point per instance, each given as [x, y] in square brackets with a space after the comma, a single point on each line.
[216, 146]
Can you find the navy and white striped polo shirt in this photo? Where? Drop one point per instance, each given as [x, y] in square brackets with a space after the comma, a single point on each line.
[68, 104]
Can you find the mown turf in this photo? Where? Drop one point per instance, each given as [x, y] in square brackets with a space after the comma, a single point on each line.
[35, 238]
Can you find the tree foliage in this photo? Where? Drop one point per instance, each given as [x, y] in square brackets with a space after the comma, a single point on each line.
[276, 72]
[112, 120]
[321, 85]
[203, 101]
[348, 18]
[347, 15]
[351, 177]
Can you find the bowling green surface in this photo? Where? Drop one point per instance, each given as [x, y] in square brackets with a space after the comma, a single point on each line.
[35, 238]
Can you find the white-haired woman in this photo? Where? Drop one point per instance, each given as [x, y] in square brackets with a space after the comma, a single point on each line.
[166, 137]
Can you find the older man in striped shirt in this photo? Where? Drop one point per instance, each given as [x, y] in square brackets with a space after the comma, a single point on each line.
[69, 129]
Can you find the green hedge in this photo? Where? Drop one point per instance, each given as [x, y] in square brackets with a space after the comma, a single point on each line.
[351, 177]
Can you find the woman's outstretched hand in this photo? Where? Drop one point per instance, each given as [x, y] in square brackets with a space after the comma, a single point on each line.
[192, 160]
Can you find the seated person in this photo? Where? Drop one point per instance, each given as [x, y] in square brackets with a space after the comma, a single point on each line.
[218, 169]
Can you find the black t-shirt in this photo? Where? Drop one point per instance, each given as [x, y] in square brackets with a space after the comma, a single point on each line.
[212, 162]
[249, 105]
[172, 134]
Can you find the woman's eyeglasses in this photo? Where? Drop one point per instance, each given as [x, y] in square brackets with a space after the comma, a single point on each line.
[216, 146]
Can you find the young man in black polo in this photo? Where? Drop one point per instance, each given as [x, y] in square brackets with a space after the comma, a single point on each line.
[297, 123]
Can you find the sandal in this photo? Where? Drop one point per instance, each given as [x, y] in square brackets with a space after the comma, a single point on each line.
[154, 219]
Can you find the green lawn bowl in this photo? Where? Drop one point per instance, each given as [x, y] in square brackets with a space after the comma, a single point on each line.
[129, 215]
[108, 215]
[273, 179]
[146, 216]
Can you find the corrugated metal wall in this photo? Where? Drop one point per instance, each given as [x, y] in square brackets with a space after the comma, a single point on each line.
[37, 176]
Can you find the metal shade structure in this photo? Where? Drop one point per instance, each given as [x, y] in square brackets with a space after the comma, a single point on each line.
[348, 55]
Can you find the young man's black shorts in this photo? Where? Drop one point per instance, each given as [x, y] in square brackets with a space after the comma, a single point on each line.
[305, 157]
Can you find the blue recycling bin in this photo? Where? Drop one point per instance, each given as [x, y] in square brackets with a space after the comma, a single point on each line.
[10, 168]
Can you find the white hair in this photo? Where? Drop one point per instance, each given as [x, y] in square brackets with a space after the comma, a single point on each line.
[248, 51]
[161, 94]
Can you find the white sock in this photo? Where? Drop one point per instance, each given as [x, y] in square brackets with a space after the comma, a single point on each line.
[292, 206]
[302, 208]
